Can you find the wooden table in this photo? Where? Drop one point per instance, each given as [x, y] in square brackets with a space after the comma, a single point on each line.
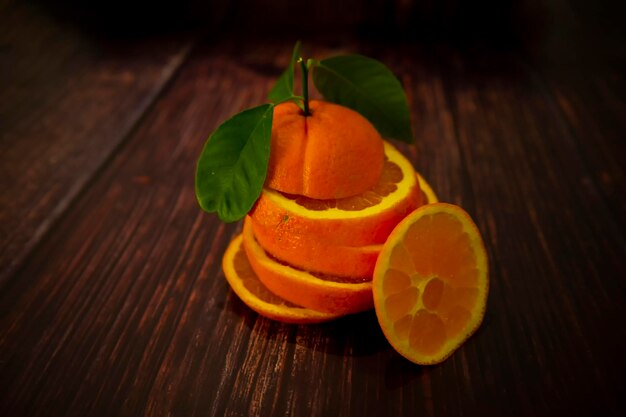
[112, 298]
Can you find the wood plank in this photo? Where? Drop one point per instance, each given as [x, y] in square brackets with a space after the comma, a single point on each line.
[558, 250]
[123, 309]
[593, 104]
[121, 271]
[67, 101]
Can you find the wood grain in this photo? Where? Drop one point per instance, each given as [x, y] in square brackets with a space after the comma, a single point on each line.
[122, 309]
[67, 102]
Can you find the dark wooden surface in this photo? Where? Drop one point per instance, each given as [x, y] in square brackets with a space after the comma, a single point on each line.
[112, 299]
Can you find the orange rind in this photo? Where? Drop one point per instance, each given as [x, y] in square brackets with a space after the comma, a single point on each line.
[333, 153]
[314, 291]
[356, 263]
[428, 195]
[255, 295]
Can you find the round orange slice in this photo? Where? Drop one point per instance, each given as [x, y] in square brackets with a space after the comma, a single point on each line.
[430, 283]
[315, 291]
[428, 195]
[255, 295]
[352, 263]
[362, 220]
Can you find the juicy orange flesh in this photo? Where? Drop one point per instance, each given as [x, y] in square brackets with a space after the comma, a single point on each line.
[251, 281]
[390, 177]
[431, 285]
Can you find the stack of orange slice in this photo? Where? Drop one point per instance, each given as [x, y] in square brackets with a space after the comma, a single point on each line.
[311, 252]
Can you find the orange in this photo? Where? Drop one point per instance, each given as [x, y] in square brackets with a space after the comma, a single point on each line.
[428, 195]
[430, 283]
[333, 153]
[313, 255]
[363, 220]
[253, 293]
[314, 291]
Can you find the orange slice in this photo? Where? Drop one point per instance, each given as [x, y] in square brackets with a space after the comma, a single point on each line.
[366, 219]
[315, 291]
[314, 255]
[431, 283]
[253, 293]
[356, 263]
[428, 195]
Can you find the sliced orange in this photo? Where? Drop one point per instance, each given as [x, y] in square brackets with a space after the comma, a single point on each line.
[428, 195]
[255, 295]
[366, 219]
[431, 283]
[314, 255]
[315, 291]
[356, 263]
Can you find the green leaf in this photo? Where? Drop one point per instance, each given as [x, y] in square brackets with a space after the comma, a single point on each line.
[369, 87]
[233, 164]
[283, 89]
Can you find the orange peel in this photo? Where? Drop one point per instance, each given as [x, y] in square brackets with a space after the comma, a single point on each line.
[255, 295]
[333, 153]
[316, 292]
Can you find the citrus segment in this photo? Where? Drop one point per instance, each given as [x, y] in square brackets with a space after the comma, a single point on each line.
[255, 295]
[395, 281]
[428, 195]
[430, 283]
[358, 221]
[427, 334]
[312, 255]
[315, 291]
[333, 153]
[400, 304]
[432, 293]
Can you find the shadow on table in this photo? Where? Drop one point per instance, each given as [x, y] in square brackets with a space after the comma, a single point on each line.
[357, 336]
[354, 335]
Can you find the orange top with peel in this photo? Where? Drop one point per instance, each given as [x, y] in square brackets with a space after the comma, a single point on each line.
[333, 153]
[338, 221]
